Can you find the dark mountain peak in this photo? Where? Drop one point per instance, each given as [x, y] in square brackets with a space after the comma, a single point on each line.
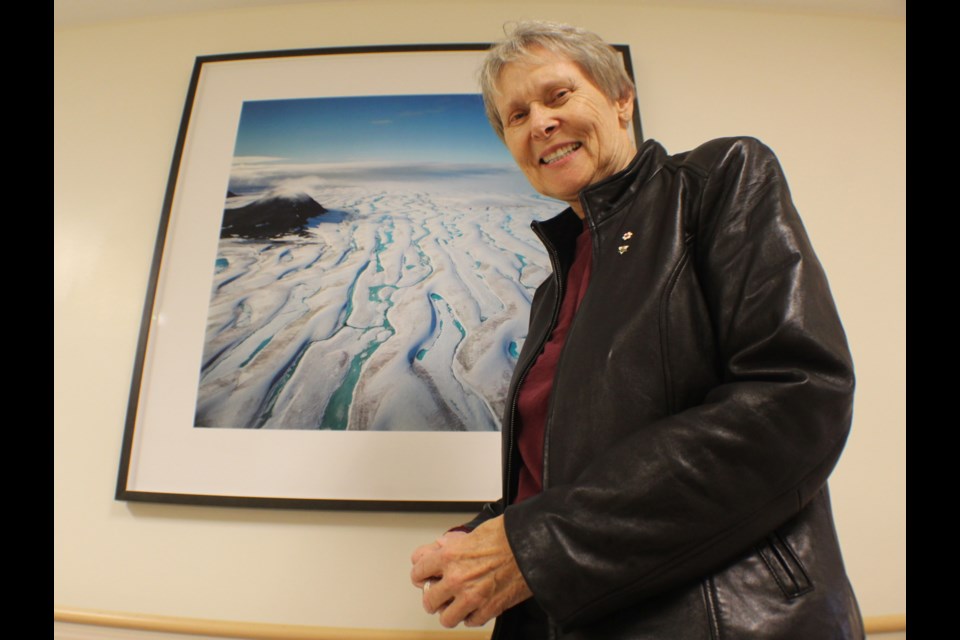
[275, 214]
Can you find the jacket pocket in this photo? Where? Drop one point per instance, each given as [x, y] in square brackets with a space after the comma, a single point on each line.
[785, 566]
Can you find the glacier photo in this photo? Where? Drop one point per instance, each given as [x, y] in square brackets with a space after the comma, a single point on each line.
[392, 309]
[374, 269]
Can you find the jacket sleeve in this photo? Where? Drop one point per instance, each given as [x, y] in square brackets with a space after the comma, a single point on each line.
[682, 496]
[489, 510]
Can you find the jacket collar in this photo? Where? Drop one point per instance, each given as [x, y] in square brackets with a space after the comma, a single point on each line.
[602, 200]
[605, 198]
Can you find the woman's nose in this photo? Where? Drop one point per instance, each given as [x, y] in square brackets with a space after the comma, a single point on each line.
[543, 121]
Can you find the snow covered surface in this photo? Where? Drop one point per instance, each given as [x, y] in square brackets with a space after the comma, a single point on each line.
[403, 307]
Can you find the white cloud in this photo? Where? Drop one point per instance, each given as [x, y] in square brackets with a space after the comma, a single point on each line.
[247, 160]
[313, 177]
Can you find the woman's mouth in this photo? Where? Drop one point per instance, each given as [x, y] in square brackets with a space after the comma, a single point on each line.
[559, 154]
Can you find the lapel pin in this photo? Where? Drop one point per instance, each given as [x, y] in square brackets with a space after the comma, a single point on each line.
[627, 236]
[622, 249]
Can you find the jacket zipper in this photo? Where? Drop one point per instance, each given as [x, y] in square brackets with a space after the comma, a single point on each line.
[555, 264]
[594, 242]
[552, 630]
[558, 301]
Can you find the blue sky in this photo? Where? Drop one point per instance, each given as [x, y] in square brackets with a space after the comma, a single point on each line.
[418, 128]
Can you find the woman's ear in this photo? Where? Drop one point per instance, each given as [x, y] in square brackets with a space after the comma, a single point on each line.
[625, 108]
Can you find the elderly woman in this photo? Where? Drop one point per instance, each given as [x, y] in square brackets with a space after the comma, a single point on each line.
[683, 393]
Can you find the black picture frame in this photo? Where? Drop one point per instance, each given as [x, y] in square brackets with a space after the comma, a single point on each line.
[164, 457]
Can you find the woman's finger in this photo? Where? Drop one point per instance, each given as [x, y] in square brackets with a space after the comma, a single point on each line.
[436, 596]
[423, 550]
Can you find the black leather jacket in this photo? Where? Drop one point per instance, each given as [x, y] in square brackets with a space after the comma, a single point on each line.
[702, 398]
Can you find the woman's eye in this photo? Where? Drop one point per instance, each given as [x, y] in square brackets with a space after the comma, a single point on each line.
[560, 95]
[517, 116]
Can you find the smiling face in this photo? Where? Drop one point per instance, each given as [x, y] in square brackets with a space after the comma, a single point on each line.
[562, 131]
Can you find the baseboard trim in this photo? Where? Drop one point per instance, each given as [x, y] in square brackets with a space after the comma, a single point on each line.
[268, 631]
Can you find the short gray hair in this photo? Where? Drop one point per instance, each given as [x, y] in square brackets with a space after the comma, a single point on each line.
[600, 61]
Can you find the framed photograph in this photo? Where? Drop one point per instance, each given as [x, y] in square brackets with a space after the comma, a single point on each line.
[340, 290]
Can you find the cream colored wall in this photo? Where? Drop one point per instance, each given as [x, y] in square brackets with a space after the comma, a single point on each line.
[826, 92]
